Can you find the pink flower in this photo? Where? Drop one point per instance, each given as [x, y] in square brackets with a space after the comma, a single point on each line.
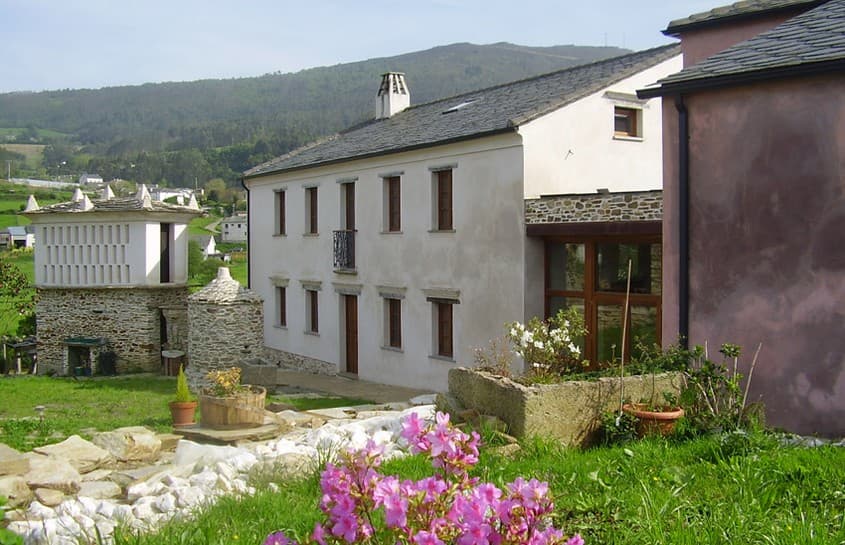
[426, 538]
[346, 527]
[575, 540]
[278, 538]
[318, 535]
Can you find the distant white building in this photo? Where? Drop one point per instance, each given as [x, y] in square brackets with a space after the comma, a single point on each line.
[234, 229]
[90, 179]
[207, 243]
[182, 194]
[18, 236]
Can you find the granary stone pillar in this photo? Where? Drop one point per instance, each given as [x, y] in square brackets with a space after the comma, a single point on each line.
[225, 328]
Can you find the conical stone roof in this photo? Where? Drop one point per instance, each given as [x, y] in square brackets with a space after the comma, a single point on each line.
[224, 289]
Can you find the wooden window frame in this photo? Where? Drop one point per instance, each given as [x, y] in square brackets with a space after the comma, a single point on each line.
[311, 207]
[444, 200]
[282, 305]
[281, 227]
[445, 324]
[313, 321]
[394, 204]
[591, 296]
[632, 115]
[394, 322]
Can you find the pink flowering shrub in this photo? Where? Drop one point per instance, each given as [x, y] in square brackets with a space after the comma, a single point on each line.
[364, 506]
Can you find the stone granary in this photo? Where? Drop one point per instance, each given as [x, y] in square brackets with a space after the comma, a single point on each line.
[226, 327]
[111, 277]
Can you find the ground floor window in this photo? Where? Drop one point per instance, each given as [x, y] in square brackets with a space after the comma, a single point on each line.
[591, 274]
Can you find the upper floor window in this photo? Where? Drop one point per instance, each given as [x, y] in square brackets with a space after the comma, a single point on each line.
[311, 210]
[444, 220]
[393, 322]
[280, 213]
[627, 122]
[393, 204]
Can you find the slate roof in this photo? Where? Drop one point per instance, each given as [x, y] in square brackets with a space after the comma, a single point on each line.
[479, 113]
[118, 204]
[17, 230]
[811, 42]
[737, 11]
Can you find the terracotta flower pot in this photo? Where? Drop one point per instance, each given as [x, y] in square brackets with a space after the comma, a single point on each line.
[182, 413]
[653, 422]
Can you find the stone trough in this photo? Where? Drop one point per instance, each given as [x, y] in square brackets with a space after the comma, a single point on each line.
[568, 411]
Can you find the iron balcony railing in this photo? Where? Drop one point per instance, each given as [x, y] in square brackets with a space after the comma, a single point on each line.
[344, 249]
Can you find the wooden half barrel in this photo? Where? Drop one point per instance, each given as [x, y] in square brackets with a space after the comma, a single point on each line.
[244, 410]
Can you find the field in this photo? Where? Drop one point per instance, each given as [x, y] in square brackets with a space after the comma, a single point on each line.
[80, 406]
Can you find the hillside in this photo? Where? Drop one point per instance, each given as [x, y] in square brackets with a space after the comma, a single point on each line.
[229, 125]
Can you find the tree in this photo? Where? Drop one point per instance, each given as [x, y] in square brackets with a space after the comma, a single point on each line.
[17, 301]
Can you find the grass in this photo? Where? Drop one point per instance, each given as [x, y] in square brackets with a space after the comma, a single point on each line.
[704, 491]
[81, 406]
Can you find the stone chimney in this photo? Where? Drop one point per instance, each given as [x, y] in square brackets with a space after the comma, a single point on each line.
[393, 95]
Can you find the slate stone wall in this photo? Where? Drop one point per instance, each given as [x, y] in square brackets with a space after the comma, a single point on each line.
[633, 206]
[222, 335]
[128, 318]
[298, 362]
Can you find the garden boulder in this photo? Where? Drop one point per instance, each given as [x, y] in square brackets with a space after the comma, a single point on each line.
[131, 444]
[81, 454]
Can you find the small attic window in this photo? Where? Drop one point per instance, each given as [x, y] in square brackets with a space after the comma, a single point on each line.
[458, 107]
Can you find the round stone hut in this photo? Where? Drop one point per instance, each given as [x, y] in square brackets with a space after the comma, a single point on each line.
[225, 327]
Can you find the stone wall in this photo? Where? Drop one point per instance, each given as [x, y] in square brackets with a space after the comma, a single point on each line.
[633, 206]
[568, 411]
[226, 328]
[129, 319]
[298, 362]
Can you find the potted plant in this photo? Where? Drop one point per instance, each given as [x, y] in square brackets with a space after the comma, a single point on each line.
[658, 416]
[228, 404]
[183, 406]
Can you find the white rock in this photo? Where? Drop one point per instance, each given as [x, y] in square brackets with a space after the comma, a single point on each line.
[67, 525]
[165, 503]
[383, 437]
[225, 470]
[243, 461]
[188, 452]
[89, 505]
[123, 513]
[97, 475]
[83, 455]
[274, 488]
[70, 508]
[144, 489]
[206, 479]
[37, 510]
[189, 496]
[174, 481]
[143, 509]
[106, 509]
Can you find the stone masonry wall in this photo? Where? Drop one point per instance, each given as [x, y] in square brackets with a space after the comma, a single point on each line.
[223, 335]
[129, 318]
[633, 206]
[297, 362]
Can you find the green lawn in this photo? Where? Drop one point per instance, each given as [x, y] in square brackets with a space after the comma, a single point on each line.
[656, 492]
[78, 406]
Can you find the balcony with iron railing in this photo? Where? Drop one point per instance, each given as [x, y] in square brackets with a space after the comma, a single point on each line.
[344, 250]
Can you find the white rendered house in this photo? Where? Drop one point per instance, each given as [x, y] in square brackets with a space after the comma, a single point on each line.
[107, 273]
[391, 250]
[233, 229]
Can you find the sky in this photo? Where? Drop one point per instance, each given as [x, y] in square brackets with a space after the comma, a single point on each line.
[72, 44]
